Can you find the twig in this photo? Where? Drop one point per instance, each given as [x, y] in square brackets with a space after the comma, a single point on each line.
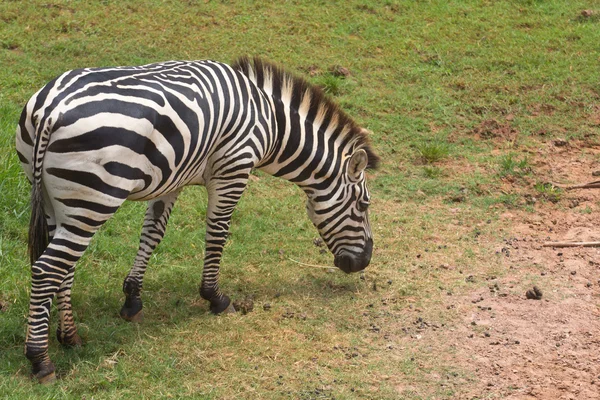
[571, 244]
[308, 265]
[590, 185]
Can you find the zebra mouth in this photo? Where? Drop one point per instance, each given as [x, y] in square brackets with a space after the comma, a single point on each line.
[351, 262]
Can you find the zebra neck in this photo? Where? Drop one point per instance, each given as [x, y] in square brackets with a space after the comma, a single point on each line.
[310, 145]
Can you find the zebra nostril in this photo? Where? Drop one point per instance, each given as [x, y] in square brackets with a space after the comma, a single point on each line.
[345, 262]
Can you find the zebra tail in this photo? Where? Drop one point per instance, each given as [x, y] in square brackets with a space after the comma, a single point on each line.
[38, 226]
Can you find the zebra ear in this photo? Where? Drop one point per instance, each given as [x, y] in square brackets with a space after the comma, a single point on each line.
[358, 163]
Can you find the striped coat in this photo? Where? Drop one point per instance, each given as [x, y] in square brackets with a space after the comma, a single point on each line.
[95, 137]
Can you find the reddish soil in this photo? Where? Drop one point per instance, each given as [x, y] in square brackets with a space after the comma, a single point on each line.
[521, 348]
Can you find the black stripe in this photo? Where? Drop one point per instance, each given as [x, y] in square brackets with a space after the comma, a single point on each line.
[86, 220]
[24, 132]
[89, 205]
[22, 158]
[125, 171]
[77, 231]
[90, 180]
[69, 244]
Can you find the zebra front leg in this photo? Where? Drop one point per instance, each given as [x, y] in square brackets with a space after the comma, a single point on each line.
[223, 196]
[155, 224]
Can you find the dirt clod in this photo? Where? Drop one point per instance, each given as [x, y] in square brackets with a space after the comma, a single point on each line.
[267, 306]
[560, 142]
[338, 70]
[244, 306]
[534, 294]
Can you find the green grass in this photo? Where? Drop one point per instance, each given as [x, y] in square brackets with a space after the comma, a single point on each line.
[424, 75]
[432, 151]
[548, 191]
[511, 165]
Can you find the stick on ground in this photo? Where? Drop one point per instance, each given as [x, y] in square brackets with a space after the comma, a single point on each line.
[590, 185]
[571, 244]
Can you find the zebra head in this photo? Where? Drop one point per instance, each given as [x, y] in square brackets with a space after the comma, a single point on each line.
[340, 213]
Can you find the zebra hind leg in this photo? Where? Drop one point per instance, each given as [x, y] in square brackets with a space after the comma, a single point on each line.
[56, 264]
[66, 333]
[155, 224]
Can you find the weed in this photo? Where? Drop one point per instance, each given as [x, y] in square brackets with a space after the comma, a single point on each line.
[432, 172]
[431, 152]
[548, 191]
[331, 84]
[512, 166]
[586, 211]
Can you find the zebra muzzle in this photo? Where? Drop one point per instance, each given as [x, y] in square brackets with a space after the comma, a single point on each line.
[352, 262]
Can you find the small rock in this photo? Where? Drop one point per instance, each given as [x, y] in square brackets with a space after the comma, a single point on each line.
[573, 273]
[560, 142]
[596, 173]
[267, 306]
[587, 13]
[340, 71]
[534, 294]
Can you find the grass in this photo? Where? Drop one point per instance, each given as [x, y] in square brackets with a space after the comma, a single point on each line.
[511, 165]
[432, 152]
[422, 73]
[548, 191]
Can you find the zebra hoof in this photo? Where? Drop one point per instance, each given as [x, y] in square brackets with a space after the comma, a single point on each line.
[46, 379]
[72, 340]
[221, 304]
[43, 371]
[138, 317]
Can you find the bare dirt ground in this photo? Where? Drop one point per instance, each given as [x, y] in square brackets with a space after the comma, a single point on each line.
[521, 348]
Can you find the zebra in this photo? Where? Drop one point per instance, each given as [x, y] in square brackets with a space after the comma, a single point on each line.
[95, 137]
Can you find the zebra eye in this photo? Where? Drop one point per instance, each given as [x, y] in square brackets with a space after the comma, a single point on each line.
[362, 206]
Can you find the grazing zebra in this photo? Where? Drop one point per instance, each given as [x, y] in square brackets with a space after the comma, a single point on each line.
[94, 137]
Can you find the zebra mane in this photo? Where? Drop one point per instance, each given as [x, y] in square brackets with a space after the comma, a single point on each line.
[272, 78]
